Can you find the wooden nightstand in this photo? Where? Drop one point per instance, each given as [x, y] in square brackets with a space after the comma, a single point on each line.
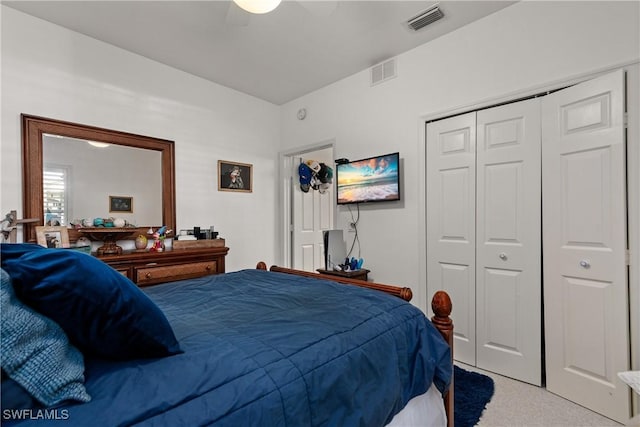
[361, 274]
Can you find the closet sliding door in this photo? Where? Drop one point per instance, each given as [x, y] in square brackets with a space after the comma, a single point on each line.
[451, 220]
[483, 234]
[484, 239]
[585, 245]
[508, 244]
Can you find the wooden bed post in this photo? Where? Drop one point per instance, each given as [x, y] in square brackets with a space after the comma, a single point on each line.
[441, 306]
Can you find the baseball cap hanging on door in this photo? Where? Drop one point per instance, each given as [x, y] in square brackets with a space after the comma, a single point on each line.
[325, 174]
[313, 165]
[306, 174]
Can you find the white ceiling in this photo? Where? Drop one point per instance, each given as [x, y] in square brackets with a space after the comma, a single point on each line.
[300, 47]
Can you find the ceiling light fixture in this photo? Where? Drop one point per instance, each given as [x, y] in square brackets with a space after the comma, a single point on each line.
[257, 6]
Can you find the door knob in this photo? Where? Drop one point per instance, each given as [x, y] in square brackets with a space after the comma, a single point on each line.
[585, 263]
[502, 256]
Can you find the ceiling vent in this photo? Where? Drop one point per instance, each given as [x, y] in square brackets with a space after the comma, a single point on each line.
[383, 72]
[425, 18]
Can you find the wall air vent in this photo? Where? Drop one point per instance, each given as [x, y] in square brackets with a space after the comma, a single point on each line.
[383, 71]
[425, 18]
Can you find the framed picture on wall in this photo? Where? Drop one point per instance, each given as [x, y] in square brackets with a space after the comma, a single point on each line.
[234, 176]
[121, 204]
[52, 237]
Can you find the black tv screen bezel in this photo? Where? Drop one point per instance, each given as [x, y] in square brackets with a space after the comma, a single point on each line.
[367, 201]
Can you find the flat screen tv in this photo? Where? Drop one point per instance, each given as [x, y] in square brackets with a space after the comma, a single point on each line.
[375, 179]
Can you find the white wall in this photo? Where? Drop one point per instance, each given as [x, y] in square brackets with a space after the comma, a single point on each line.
[522, 47]
[56, 73]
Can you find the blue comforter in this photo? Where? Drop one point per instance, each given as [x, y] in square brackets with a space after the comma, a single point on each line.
[271, 349]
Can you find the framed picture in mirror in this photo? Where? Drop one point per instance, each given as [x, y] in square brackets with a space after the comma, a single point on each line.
[52, 236]
[123, 204]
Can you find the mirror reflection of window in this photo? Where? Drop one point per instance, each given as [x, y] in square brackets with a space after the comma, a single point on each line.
[56, 194]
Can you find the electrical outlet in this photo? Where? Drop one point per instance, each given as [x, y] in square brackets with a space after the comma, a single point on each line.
[352, 227]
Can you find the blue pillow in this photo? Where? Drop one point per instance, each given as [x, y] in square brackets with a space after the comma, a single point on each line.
[102, 312]
[13, 251]
[36, 353]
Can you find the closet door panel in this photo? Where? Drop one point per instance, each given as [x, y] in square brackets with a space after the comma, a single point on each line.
[502, 185]
[451, 222]
[502, 289]
[508, 231]
[585, 242]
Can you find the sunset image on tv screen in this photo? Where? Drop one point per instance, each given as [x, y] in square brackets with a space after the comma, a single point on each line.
[374, 179]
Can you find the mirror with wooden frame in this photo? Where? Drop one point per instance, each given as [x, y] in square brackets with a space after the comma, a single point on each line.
[135, 172]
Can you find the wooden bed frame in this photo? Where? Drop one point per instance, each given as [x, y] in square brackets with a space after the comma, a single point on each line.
[440, 304]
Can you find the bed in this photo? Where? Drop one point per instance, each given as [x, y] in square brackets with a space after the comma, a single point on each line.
[253, 347]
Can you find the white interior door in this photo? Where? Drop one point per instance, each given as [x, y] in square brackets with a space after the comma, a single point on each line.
[451, 170]
[584, 243]
[508, 241]
[312, 213]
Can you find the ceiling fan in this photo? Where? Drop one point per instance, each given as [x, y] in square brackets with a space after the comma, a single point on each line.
[240, 12]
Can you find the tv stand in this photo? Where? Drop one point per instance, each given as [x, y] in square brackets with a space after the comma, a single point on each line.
[361, 274]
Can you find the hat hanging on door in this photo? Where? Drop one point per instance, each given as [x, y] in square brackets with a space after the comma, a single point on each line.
[315, 175]
[313, 165]
[306, 174]
[325, 174]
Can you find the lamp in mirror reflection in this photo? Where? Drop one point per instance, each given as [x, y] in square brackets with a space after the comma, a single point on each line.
[98, 144]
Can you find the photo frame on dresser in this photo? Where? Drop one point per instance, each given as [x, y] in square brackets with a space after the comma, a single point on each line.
[234, 176]
[52, 236]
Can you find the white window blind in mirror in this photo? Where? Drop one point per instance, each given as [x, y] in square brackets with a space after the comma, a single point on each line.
[55, 188]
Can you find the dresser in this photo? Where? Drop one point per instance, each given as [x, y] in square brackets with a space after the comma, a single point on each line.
[151, 268]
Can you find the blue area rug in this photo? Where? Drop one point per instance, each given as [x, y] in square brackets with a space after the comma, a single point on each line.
[472, 392]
